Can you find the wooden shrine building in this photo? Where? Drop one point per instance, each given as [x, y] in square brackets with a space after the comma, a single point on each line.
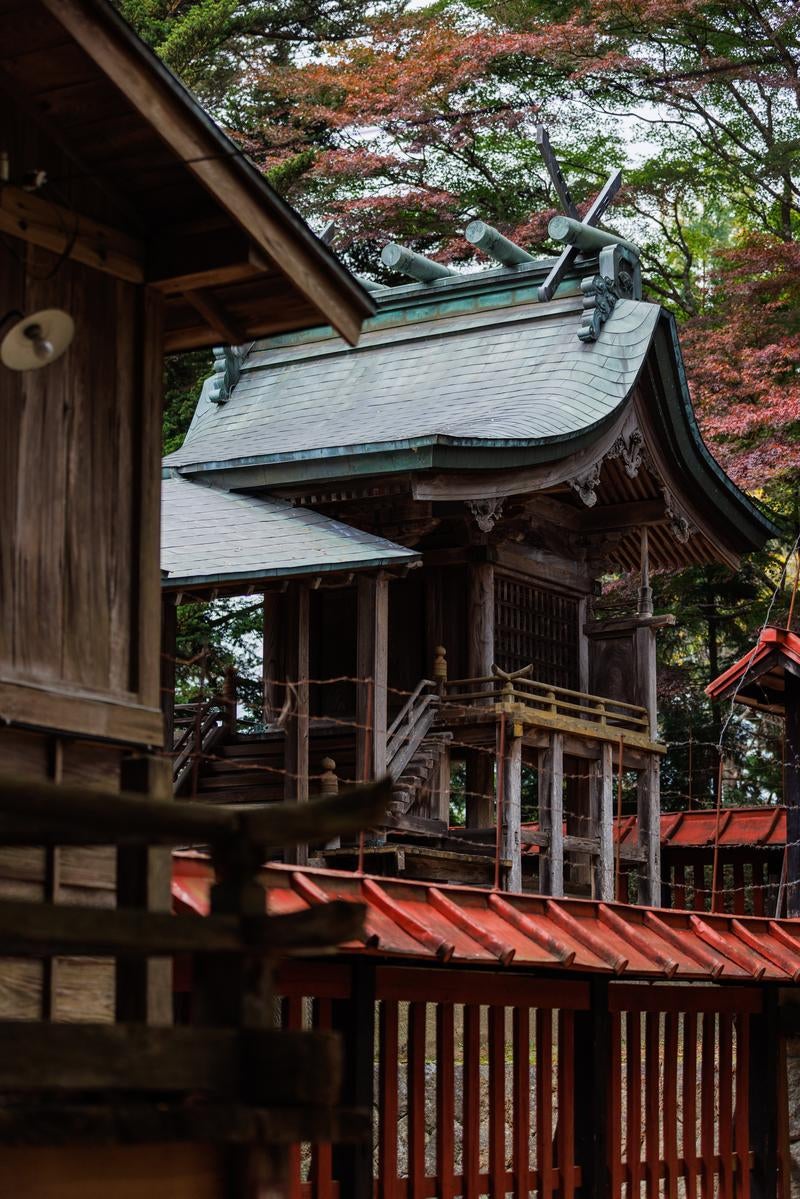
[130, 226]
[523, 431]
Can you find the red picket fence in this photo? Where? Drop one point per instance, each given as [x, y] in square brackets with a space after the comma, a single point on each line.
[505, 1085]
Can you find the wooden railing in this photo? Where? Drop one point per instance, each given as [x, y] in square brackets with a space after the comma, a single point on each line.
[410, 726]
[130, 1081]
[550, 702]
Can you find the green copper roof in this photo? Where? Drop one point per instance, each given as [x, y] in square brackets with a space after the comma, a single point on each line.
[506, 376]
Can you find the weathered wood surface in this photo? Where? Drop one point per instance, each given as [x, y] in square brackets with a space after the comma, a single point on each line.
[280, 1067]
[58, 814]
[182, 1171]
[372, 664]
[37, 930]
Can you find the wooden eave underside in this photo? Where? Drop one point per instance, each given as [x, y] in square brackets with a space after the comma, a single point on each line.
[178, 207]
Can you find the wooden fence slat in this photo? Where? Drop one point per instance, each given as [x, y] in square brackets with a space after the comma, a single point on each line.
[699, 876]
[707, 1105]
[652, 1103]
[387, 1099]
[566, 1103]
[544, 1101]
[669, 1106]
[738, 888]
[689, 1143]
[522, 1102]
[415, 1099]
[497, 1103]
[633, 1153]
[758, 867]
[445, 1100]
[725, 1113]
[742, 1113]
[472, 1098]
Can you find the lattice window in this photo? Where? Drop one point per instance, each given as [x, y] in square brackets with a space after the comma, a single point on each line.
[537, 626]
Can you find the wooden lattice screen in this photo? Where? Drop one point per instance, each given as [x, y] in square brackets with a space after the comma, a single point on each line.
[533, 625]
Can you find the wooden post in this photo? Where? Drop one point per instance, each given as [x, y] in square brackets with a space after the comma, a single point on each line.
[592, 1058]
[480, 788]
[297, 723]
[510, 770]
[765, 1036]
[480, 620]
[649, 818]
[791, 790]
[274, 656]
[355, 1019]
[372, 667]
[551, 816]
[144, 880]
[601, 782]
[169, 634]
[646, 675]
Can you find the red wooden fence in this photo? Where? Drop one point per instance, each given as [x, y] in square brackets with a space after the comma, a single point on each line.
[494, 1085]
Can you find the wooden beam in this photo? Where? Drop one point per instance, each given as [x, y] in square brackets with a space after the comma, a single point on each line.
[41, 222]
[283, 1066]
[199, 261]
[636, 515]
[214, 314]
[480, 620]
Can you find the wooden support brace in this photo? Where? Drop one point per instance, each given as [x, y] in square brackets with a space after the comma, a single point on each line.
[296, 763]
[372, 669]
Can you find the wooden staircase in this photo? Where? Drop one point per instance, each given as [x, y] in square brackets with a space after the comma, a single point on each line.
[422, 790]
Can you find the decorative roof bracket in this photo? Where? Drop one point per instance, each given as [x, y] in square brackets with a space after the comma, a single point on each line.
[227, 369]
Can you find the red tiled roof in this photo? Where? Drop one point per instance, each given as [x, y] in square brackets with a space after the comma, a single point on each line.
[757, 678]
[761, 827]
[471, 926]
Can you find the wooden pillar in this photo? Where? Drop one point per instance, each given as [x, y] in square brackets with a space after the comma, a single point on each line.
[551, 816]
[480, 788]
[649, 818]
[143, 986]
[601, 783]
[273, 671]
[169, 636]
[509, 771]
[791, 790]
[372, 668]
[646, 675]
[480, 620]
[354, 1018]
[295, 764]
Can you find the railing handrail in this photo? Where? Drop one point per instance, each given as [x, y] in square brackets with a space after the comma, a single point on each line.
[500, 682]
[407, 706]
[410, 726]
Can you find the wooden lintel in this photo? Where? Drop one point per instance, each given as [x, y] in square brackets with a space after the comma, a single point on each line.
[635, 515]
[51, 226]
[216, 317]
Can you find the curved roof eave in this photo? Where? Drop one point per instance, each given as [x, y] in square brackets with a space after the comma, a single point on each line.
[690, 450]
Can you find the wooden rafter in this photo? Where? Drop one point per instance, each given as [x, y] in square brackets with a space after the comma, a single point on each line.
[215, 315]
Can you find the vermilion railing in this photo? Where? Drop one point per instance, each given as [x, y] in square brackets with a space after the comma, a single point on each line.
[494, 1085]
